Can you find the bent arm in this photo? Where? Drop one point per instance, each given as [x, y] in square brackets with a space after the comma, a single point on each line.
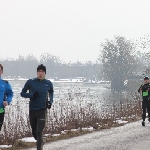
[24, 91]
[9, 93]
[139, 90]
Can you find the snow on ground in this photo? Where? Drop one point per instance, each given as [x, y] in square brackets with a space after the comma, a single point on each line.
[131, 136]
[88, 129]
[120, 121]
[5, 146]
[31, 139]
[28, 139]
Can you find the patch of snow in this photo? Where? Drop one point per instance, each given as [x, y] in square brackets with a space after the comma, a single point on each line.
[56, 135]
[45, 135]
[74, 130]
[123, 117]
[5, 146]
[66, 130]
[121, 121]
[88, 129]
[28, 139]
[63, 132]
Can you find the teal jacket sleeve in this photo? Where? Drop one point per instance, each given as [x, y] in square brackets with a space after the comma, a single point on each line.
[9, 93]
[25, 89]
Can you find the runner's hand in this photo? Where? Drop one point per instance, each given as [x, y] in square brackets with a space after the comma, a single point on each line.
[48, 105]
[5, 103]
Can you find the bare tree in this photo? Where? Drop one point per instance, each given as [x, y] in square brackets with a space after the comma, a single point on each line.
[118, 60]
[143, 44]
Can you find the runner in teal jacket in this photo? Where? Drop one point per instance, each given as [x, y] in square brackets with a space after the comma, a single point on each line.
[40, 92]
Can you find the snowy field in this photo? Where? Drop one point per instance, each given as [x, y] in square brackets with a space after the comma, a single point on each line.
[75, 107]
[67, 98]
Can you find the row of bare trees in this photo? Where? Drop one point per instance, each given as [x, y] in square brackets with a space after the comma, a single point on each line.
[25, 66]
[119, 59]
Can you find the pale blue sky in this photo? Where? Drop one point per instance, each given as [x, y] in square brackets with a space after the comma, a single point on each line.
[70, 29]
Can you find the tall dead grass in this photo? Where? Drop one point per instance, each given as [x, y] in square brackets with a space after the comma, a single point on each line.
[75, 111]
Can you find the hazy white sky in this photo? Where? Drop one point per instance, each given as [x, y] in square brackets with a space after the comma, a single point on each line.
[70, 29]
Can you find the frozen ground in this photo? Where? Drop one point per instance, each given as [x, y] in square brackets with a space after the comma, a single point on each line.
[131, 136]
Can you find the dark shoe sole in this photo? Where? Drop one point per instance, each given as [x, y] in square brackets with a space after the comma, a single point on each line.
[143, 123]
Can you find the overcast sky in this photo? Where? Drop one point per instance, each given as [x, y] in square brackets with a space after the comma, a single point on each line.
[70, 29]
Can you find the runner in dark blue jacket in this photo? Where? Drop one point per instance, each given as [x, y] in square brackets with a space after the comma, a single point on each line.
[41, 98]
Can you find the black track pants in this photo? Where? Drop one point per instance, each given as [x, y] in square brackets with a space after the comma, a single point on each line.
[37, 122]
[1, 119]
[145, 108]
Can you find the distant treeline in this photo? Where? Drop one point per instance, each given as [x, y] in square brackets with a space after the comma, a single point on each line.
[26, 67]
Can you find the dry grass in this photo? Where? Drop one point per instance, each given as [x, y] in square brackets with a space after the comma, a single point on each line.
[75, 111]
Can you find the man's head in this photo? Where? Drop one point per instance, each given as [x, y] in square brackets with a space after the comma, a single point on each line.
[1, 69]
[41, 71]
[146, 79]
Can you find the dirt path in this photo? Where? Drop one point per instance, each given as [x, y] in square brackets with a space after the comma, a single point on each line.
[131, 136]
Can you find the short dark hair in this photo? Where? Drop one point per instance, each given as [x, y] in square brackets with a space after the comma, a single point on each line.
[41, 67]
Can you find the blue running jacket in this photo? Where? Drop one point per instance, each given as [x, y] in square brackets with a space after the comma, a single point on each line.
[5, 92]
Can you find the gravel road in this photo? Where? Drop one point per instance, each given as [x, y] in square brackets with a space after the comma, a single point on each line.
[131, 136]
